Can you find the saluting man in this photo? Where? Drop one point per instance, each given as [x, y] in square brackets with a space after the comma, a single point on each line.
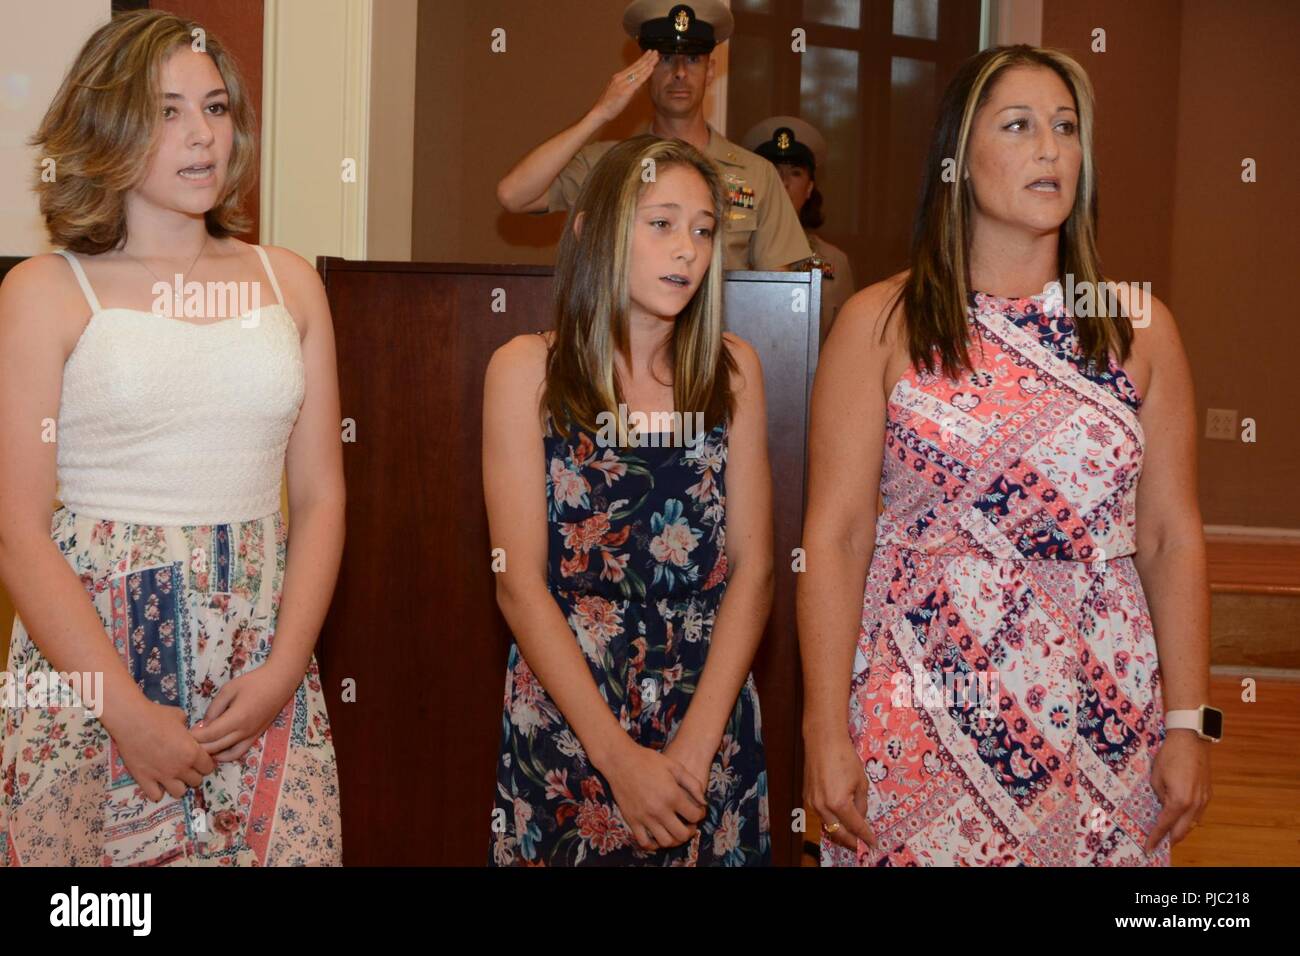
[798, 150]
[760, 228]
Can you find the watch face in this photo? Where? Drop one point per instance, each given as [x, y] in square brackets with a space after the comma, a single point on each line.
[1212, 722]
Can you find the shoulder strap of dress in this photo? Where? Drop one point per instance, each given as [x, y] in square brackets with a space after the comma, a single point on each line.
[82, 280]
[270, 274]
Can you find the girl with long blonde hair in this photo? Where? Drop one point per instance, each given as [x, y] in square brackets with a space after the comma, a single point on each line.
[632, 555]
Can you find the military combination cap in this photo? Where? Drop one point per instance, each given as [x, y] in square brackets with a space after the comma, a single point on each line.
[673, 28]
[787, 139]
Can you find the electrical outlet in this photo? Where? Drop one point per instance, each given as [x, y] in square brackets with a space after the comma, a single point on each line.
[1221, 423]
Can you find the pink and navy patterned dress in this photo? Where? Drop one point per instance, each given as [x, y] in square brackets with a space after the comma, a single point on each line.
[638, 568]
[1006, 698]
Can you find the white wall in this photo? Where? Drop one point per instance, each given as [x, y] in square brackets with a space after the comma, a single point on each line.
[338, 84]
[38, 42]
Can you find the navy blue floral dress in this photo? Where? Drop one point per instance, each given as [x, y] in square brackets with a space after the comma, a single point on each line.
[637, 565]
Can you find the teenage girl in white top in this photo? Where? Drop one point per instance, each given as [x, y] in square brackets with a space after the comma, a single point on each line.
[167, 571]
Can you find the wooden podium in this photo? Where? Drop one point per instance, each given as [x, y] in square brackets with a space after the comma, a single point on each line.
[414, 620]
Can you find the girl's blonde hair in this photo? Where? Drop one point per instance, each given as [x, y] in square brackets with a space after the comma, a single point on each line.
[592, 297]
[105, 122]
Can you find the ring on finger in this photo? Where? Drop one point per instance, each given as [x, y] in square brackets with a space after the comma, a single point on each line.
[830, 827]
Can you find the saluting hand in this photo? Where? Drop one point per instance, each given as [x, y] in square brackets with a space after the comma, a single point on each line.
[623, 85]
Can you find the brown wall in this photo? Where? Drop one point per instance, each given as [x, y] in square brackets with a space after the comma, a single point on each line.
[478, 112]
[1185, 91]
[1235, 248]
[1136, 83]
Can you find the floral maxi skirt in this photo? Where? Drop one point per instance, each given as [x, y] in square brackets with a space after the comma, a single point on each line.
[188, 608]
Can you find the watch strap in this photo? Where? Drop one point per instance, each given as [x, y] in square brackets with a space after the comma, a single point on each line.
[1183, 720]
[1196, 721]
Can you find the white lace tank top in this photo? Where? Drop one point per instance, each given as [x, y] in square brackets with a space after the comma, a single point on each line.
[169, 422]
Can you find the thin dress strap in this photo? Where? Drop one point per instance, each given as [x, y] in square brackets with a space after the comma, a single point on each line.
[82, 280]
[270, 274]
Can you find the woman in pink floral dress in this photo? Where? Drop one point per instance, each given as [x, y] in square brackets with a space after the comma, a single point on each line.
[989, 662]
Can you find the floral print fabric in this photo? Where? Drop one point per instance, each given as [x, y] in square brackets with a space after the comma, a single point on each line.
[188, 608]
[637, 567]
[1006, 698]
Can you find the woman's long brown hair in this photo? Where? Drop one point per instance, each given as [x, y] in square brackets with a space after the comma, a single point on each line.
[936, 293]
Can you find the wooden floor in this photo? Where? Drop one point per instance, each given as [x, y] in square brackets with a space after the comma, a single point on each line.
[1254, 817]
